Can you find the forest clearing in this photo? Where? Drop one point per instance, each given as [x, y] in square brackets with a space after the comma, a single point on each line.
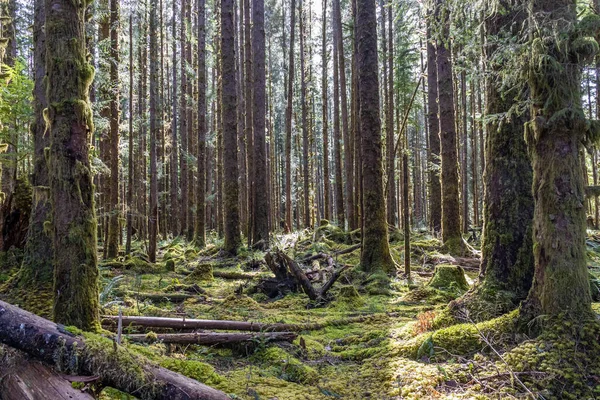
[299, 199]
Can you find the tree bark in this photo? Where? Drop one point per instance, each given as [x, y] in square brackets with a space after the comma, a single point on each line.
[233, 239]
[288, 123]
[375, 254]
[260, 225]
[70, 125]
[37, 268]
[113, 204]
[554, 137]
[215, 339]
[201, 187]
[451, 234]
[154, 131]
[325, 119]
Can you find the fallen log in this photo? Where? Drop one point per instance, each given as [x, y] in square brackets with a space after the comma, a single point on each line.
[213, 338]
[180, 323]
[183, 323]
[94, 355]
[300, 276]
[31, 380]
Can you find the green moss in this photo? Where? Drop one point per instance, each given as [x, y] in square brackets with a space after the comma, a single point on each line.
[201, 272]
[197, 370]
[286, 367]
[449, 277]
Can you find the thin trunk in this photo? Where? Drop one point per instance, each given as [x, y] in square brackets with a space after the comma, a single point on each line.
[174, 141]
[288, 123]
[130, 187]
[303, 101]
[201, 187]
[183, 157]
[325, 99]
[155, 123]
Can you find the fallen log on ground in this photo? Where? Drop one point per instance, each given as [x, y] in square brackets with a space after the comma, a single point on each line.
[232, 275]
[213, 338]
[23, 379]
[182, 323]
[113, 364]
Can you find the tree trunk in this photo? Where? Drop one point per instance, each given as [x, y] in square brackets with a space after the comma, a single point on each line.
[288, 123]
[375, 254]
[113, 203]
[37, 268]
[507, 253]
[174, 124]
[260, 225]
[216, 339]
[325, 119]
[183, 156]
[154, 131]
[303, 101]
[348, 153]
[554, 137]
[130, 169]
[337, 136]
[201, 188]
[451, 234]
[229, 117]
[70, 125]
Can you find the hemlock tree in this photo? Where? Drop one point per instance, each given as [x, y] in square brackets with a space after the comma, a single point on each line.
[37, 269]
[375, 253]
[507, 251]
[451, 234]
[555, 135]
[233, 237]
[154, 131]
[200, 236]
[260, 224]
[69, 124]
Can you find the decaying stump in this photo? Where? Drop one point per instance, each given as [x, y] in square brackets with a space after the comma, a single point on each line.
[114, 365]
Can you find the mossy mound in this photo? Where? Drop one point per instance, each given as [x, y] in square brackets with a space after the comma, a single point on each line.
[463, 339]
[449, 277]
[284, 366]
[201, 272]
[565, 359]
[430, 295]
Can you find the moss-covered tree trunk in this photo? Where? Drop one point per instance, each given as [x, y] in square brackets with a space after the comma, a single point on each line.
[375, 253]
[114, 228]
[36, 270]
[229, 117]
[337, 136]
[435, 189]
[69, 120]
[451, 234]
[507, 254]
[554, 136]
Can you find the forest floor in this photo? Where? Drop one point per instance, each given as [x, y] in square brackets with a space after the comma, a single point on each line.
[364, 350]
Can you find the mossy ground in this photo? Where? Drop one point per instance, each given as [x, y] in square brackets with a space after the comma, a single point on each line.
[393, 352]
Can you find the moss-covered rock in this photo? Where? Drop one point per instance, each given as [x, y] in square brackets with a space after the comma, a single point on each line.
[450, 277]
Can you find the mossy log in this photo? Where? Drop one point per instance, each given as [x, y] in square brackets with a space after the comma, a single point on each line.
[51, 343]
[213, 338]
